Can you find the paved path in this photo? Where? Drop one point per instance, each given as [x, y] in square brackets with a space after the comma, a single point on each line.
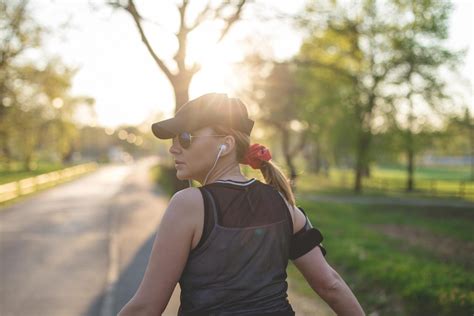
[53, 247]
[137, 214]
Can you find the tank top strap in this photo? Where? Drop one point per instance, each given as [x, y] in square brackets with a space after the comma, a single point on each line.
[211, 205]
[210, 217]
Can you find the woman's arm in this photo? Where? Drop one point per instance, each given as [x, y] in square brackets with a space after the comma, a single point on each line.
[168, 256]
[328, 283]
[323, 279]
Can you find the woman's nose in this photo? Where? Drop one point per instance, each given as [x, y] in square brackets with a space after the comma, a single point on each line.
[174, 147]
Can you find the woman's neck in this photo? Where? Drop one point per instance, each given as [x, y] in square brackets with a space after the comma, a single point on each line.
[231, 174]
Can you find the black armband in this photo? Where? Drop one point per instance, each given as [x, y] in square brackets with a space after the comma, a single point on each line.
[305, 240]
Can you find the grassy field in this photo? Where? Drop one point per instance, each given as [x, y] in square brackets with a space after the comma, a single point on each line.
[426, 173]
[17, 173]
[399, 260]
[429, 182]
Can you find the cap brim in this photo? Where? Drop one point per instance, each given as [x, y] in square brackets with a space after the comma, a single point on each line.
[168, 128]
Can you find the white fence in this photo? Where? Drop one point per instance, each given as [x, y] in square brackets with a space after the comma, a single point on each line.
[15, 189]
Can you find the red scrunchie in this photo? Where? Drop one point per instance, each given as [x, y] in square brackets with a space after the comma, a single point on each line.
[255, 155]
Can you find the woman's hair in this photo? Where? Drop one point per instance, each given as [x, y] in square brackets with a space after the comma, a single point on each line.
[271, 172]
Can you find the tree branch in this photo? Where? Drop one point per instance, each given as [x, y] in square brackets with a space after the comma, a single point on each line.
[137, 18]
[182, 37]
[201, 16]
[301, 144]
[232, 19]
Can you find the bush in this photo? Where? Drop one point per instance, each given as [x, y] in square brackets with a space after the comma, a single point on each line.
[165, 177]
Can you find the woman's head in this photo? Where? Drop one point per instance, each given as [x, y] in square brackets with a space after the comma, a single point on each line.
[195, 153]
[201, 127]
[207, 110]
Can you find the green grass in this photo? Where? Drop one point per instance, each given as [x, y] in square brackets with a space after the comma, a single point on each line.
[384, 182]
[427, 173]
[390, 275]
[17, 172]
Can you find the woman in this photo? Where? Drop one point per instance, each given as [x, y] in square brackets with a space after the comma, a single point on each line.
[228, 241]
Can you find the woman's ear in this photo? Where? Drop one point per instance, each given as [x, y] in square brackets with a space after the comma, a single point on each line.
[229, 141]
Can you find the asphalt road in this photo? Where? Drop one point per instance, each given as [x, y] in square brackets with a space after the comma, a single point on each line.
[56, 251]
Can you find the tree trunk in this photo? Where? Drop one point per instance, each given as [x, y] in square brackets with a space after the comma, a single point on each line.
[410, 146]
[67, 157]
[366, 170]
[410, 161]
[312, 154]
[317, 158]
[6, 151]
[27, 162]
[471, 142]
[361, 159]
[181, 89]
[291, 166]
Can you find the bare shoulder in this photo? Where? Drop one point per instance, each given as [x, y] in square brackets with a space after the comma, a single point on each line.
[187, 205]
[298, 218]
[187, 196]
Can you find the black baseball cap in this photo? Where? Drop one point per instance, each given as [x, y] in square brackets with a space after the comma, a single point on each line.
[207, 110]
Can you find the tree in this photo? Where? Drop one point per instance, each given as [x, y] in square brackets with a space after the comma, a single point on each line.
[59, 128]
[181, 79]
[279, 110]
[421, 55]
[376, 46]
[325, 105]
[302, 108]
[19, 33]
[36, 108]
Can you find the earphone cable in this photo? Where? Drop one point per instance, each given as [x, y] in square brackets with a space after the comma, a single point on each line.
[215, 162]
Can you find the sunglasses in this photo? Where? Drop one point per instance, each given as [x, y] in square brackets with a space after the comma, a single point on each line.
[185, 138]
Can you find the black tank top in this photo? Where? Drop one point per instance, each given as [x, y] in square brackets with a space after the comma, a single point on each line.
[239, 265]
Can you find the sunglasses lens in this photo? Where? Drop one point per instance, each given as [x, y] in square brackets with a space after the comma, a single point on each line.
[184, 139]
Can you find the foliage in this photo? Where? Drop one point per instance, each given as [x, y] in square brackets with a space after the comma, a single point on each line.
[387, 55]
[36, 109]
[165, 177]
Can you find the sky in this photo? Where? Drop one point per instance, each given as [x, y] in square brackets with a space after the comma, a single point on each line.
[116, 69]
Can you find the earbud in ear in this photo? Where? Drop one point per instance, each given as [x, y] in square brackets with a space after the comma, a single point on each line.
[223, 147]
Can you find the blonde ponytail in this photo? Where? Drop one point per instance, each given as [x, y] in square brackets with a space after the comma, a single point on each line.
[276, 178]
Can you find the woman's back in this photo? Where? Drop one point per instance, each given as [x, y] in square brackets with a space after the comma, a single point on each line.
[239, 265]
